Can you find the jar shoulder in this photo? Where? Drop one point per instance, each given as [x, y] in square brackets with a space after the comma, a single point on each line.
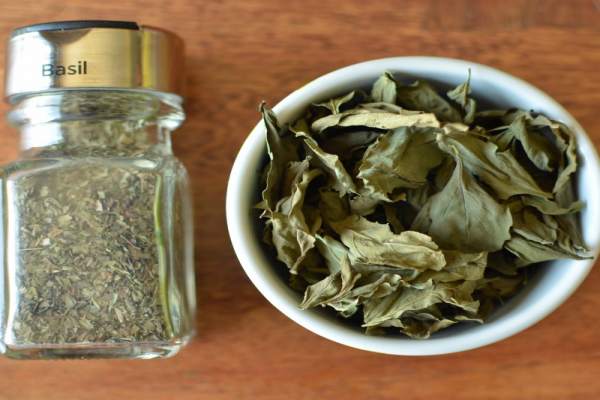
[151, 163]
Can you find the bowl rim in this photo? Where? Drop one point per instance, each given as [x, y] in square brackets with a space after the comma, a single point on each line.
[235, 214]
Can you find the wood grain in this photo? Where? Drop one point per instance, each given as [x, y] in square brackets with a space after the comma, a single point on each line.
[241, 52]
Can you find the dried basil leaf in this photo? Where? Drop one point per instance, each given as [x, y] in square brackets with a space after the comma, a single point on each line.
[335, 105]
[463, 216]
[291, 235]
[281, 150]
[541, 229]
[568, 223]
[388, 311]
[498, 169]
[421, 96]
[330, 163]
[384, 89]
[386, 107]
[459, 266]
[568, 161]
[551, 207]
[538, 238]
[542, 153]
[364, 118]
[530, 252]
[374, 285]
[401, 158]
[373, 243]
[331, 288]
[460, 95]
[334, 252]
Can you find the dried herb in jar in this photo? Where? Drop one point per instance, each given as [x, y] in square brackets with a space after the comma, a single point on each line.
[88, 256]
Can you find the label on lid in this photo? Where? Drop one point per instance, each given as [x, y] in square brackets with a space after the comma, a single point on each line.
[75, 56]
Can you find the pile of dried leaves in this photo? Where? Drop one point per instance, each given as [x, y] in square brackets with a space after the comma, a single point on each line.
[413, 210]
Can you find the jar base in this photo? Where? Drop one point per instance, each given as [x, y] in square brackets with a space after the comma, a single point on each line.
[140, 350]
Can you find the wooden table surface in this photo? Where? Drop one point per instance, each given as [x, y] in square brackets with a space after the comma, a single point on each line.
[241, 52]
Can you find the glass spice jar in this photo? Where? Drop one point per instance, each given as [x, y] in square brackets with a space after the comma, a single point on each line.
[96, 218]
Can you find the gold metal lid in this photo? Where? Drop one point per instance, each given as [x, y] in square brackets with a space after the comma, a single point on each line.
[92, 54]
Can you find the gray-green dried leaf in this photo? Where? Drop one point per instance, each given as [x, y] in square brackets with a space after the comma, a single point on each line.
[331, 288]
[459, 266]
[401, 158]
[384, 89]
[281, 150]
[330, 163]
[464, 217]
[568, 162]
[542, 153]
[498, 169]
[389, 310]
[291, 235]
[537, 238]
[373, 243]
[371, 286]
[364, 118]
[335, 105]
[334, 253]
[468, 105]
[551, 207]
[421, 96]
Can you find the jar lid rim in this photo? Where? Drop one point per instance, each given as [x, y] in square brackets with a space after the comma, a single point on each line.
[74, 24]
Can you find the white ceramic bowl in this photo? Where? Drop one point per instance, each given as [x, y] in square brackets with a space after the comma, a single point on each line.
[549, 288]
